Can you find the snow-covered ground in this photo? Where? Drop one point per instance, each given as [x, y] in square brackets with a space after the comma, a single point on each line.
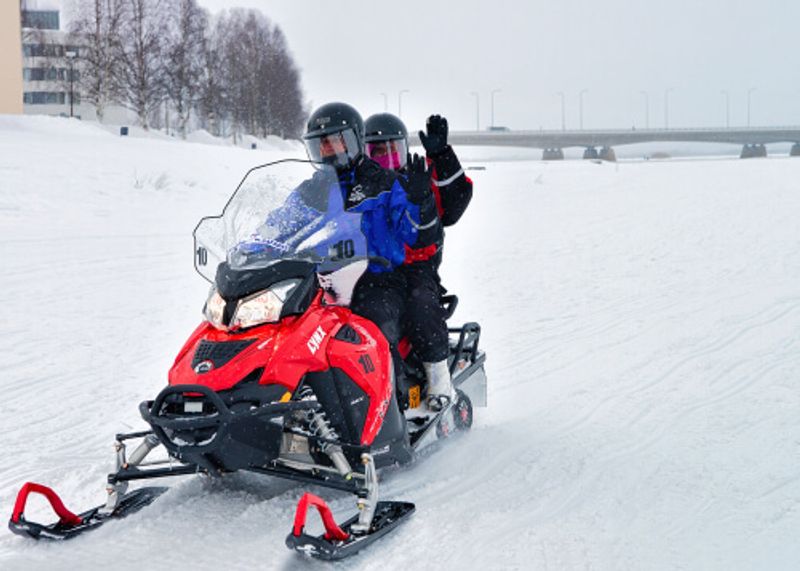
[641, 320]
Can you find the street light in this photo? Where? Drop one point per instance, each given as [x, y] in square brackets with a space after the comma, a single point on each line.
[493, 92]
[646, 109]
[666, 107]
[477, 110]
[749, 93]
[400, 102]
[563, 111]
[385, 102]
[580, 100]
[727, 108]
[71, 57]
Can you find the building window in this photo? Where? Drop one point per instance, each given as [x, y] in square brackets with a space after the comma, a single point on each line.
[40, 19]
[33, 74]
[42, 50]
[44, 98]
[49, 74]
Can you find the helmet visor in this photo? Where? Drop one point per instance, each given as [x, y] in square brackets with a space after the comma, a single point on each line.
[391, 154]
[338, 149]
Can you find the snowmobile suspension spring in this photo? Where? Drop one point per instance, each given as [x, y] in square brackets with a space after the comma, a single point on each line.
[318, 421]
[320, 426]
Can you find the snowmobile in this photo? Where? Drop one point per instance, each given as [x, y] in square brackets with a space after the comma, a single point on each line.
[281, 378]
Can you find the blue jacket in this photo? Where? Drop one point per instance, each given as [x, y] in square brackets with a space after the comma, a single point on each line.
[389, 218]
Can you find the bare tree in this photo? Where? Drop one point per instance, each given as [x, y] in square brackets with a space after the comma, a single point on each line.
[287, 113]
[261, 82]
[95, 29]
[140, 53]
[212, 106]
[242, 43]
[184, 52]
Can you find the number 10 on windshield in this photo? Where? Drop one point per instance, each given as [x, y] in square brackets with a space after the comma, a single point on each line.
[343, 250]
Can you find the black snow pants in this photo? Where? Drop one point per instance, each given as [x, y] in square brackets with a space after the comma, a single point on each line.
[424, 320]
[380, 297]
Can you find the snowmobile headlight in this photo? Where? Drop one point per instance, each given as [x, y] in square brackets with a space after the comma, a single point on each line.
[215, 308]
[263, 307]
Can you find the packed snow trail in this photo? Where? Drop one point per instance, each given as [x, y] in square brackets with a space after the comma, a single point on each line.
[640, 321]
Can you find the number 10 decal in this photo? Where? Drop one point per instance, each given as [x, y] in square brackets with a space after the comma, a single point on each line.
[202, 256]
[344, 249]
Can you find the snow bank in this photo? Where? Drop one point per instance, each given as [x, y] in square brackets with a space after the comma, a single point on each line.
[66, 177]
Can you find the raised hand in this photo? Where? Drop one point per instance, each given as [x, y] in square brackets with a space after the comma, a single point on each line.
[434, 138]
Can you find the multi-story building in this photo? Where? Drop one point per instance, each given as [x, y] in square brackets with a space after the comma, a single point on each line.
[49, 63]
[10, 58]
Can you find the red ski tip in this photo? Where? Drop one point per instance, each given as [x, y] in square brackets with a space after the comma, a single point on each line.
[65, 516]
[332, 529]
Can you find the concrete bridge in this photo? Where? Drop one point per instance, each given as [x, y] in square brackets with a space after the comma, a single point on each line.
[752, 139]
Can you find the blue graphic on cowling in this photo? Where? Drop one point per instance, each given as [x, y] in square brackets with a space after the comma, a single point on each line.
[312, 224]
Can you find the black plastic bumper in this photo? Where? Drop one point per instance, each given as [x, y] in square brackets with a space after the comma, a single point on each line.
[221, 440]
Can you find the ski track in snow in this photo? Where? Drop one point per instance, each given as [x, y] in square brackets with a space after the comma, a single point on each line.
[640, 320]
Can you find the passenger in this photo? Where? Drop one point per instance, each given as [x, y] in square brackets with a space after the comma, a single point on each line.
[387, 143]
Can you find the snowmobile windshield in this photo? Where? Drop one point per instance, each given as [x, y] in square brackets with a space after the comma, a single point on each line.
[286, 210]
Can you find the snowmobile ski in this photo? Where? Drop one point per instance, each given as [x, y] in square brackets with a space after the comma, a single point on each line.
[339, 542]
[69, 524]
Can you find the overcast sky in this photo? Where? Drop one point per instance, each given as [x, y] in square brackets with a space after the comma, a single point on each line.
[354, 50]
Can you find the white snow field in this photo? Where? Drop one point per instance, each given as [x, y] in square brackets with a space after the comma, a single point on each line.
[642, 326]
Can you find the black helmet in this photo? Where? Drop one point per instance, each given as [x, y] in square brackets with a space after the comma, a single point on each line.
[386, 139]
[335, 135]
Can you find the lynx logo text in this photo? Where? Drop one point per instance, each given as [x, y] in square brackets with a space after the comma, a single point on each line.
[316, 340]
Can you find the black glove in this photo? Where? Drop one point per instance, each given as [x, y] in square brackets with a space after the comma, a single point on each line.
[419, 178]
[435, 140]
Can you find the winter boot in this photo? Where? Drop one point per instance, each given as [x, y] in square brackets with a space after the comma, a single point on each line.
[440, 387]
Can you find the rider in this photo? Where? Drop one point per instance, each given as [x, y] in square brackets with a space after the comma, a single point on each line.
[393, 210]
[387, 143]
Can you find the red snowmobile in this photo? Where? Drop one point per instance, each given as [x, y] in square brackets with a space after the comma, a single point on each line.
[281, 378]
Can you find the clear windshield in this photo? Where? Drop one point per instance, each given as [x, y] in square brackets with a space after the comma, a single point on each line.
[289, 209]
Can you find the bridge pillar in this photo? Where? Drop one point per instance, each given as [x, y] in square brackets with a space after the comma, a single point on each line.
[553, 154]
[608, 154]
[590, 153]
[795, 152]
[753, 151]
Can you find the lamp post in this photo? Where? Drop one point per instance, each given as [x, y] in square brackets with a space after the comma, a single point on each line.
[563, 111]
[666, 107]
[646, 109]
[385, 102]
[493, 92]
[400, 102]
[71, 57]
[727, 108]
[749, 93]
[580, 101]
[477, 110]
